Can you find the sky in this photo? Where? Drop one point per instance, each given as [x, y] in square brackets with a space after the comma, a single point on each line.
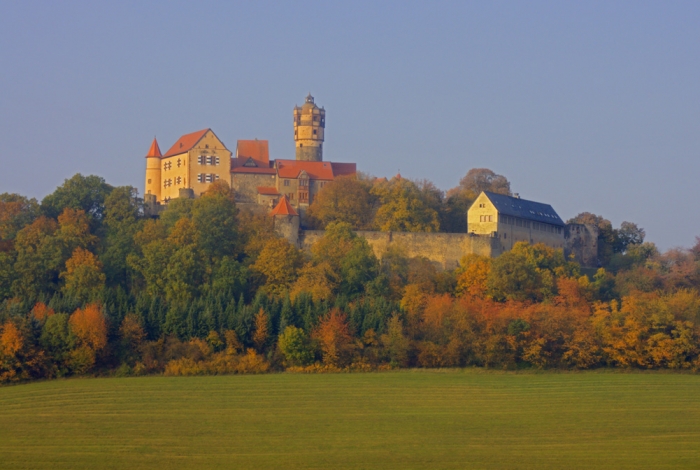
[588, 106]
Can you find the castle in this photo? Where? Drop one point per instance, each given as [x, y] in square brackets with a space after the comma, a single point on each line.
[286, 188]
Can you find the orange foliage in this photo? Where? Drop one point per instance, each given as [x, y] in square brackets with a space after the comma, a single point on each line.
[41, 312]
[11, 340]
[261, 330]
[334, 335]
[89, 326]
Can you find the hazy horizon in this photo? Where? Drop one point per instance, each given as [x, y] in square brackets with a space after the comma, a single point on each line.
[586, 106]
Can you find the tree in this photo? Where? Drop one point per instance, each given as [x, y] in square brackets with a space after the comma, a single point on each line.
[333, 334]
[395, 342]
[83, 276]
[261, 330]
[86, 193]
[89, 327]
[123, 219]
[627, 235]
[278, 264]
[294, 346]
[404, 208]
[39, 258]
[482, 179]
[345, 199]
[349, 257]
[473, 275]
[16, 212]
[214, 216]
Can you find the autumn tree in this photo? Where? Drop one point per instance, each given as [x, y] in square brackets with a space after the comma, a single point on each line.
[278, 264]
[395, 343]
[473, 274]
[16, 212]
[333, 334]
[345, 199]
[404, 208]
[83, 276]
[262, 330]
[123, 219]
[482, 179]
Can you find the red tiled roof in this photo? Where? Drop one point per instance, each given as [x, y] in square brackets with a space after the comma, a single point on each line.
[252, 169]
[283, 208]
[155, 150]
[256, 149]
[185, 143]
[268, 190]
[315, 170]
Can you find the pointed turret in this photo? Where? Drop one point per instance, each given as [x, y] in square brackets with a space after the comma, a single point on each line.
[155, 150]
[152, 189]
[286, 221]
[283, 208]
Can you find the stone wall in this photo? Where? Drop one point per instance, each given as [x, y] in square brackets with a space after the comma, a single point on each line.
[581, 240]
[444, 249]
[246, 185]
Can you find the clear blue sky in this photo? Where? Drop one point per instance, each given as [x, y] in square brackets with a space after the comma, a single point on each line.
[589, 106]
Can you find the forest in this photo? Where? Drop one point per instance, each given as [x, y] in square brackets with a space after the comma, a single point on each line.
[91, 286]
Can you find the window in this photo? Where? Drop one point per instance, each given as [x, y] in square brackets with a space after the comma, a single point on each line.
[179, 162]
[167, 183]
[303, 182]
[505, 235]
[200, 178]
[149, 181]
[286, 182]
[178, 180]
[202, 160]
[314, 131]
[168, 165]
[206, 146]
[301, 145]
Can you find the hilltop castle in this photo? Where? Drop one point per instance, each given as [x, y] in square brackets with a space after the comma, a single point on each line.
[286, 188]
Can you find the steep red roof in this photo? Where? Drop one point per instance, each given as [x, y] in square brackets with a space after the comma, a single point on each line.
[315, 170]
[185, 143]
[267, 190]
[155, 150]
[283, 208]
[256, 149]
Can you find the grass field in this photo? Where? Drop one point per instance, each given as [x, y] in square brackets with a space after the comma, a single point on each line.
[407, 419]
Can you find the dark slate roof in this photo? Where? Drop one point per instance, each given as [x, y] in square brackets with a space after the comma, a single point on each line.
[524, 209]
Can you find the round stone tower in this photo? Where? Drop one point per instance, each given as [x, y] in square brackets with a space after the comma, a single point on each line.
[309, 129]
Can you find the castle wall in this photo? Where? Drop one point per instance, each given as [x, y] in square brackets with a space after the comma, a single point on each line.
[581, 240]
[245, 185]
[445, 249]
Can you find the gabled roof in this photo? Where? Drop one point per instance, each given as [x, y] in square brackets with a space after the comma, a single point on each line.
[268, 191]
[155, 150]
[186, 143]
[315, 170]
[256, 149]
[524, 209]
[283, 208]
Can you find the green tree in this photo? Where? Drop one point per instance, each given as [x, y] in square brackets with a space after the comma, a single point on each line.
[83, 276]
[295, 347]
[214, 216]
[123, 219]
[482, 179]
[87, 193]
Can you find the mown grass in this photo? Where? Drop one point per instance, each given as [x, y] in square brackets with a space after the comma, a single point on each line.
[406, 419]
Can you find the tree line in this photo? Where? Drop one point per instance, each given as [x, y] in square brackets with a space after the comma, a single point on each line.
[90, 285]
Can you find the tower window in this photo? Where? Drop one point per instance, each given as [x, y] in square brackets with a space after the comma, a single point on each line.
[314, 131]
[301, 145]
[149, 181]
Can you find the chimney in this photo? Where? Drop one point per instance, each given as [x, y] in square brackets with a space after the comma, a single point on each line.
[516, 195]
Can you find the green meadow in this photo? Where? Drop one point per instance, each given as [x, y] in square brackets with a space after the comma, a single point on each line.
[404, 419]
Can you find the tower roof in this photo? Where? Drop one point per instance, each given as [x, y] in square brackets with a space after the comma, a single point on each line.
[155, 150]
[283, 208]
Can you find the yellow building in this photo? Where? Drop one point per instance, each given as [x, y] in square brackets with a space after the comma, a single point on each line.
[309, 129]
[194, 162]
[512, 220]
